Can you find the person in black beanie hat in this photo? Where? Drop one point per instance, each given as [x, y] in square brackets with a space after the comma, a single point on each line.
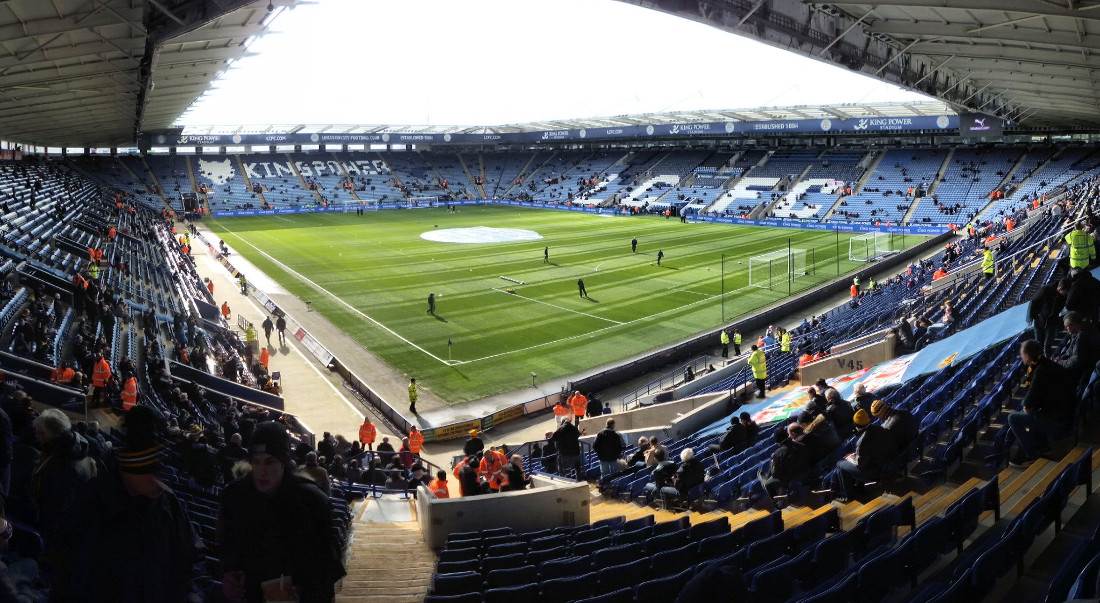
[275, 523]
[126, 537]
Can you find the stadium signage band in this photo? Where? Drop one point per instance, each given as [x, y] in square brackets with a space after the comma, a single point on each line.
[827, 125]
[911, 230]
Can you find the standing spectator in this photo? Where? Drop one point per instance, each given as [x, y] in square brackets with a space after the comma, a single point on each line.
[516, 478]
[473, 445]
[595, 407]
[385, 450]
[314, 470]
[1044, 311]
[608, 447]
[567, 438]
[280, 326]
[1047, 405]
[466, 474]
[63, 467]
[273, 523]
[127, 538]
[1084, 294]
[268, 327]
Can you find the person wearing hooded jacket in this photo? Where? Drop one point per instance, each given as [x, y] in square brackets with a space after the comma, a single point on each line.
[275, 523]
[63, 467]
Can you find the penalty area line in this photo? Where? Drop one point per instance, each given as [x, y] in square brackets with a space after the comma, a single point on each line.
[302, 278]
[537, 301]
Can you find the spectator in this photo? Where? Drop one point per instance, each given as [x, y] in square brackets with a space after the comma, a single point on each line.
[6, 456]
[733, 439]
[657, 452]
[385, 450]
[516, 479]
[549, 454]
[1084, 294]
[230, 455]
[567, 439]
[606, 408]
[874, 448]
[608, 447]
[1047, 405]
[274, 523]
[1044, 311]
[1081, 348]
[127, 537]
[816, 404]
[638, 458]
[200, 463]
[689, 474]
[466, 474]
[899, 423]
[751, 428]
[63, 467]
[473, 445]
[862, 399]
[840, 412]
[595, 407]
[789, 460]
[314, 470]
[819, 436]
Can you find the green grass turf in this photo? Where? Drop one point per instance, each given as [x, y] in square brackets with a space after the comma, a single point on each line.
[379, 265]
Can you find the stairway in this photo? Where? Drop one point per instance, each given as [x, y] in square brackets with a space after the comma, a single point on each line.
[387, 561]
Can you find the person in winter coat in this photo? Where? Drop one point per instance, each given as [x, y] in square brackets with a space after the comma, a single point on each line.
[608, 447]
[274, 523]
[126, 537]
[689, 474]
[63, 467]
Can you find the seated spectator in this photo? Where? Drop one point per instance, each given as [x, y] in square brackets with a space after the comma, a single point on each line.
[663, 475]
[657, 453]
[1080, 349]
[789, 460]
[816, 403]
[840, 412]
[899, 423]
[752, 430]
[874, 448]
[819, 436]
[1047, 407]
[733, 439]
[230, 454]
[862, 399]
[689, 474]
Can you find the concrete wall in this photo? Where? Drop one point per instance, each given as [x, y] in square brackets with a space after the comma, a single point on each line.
[551, 503]
[852, 360]
[859, 341]
[648, 417]
[706, 380]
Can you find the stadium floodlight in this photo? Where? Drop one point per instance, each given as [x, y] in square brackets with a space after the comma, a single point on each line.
[774, 269]
[871, 246]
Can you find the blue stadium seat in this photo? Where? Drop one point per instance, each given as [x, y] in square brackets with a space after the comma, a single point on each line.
[512, 577]
[614, 523]
[566, 566]
[591, 534]
[538, 557]
[616, 555]
[466, 598]
[625, 595]
[587, 548]
[489, 564]
[454, 567]
[718, 545]
[641, 522]
[671, 526]
[456, 584]
[565, 589]
[665, 542]
[831, 557]
[508, 548]
[932, 539]
[548, 542]
[511, 594]
[662, 590]
[621, 576]
[633, 536]
[703, 530]
[841, 591]
[676, 560]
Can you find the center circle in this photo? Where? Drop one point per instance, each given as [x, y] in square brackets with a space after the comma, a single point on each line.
[480, 234]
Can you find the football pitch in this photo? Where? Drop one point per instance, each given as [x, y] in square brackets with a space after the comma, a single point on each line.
[371, 275]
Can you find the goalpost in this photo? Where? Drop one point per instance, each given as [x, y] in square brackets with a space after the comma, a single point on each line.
[871, 246]
[775, 268]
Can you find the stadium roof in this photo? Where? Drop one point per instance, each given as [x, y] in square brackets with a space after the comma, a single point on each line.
[90, 72]
[1029, 61]
[846, 111]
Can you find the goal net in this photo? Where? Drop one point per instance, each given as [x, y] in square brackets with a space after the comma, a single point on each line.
[774, 269]
[871, 246]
